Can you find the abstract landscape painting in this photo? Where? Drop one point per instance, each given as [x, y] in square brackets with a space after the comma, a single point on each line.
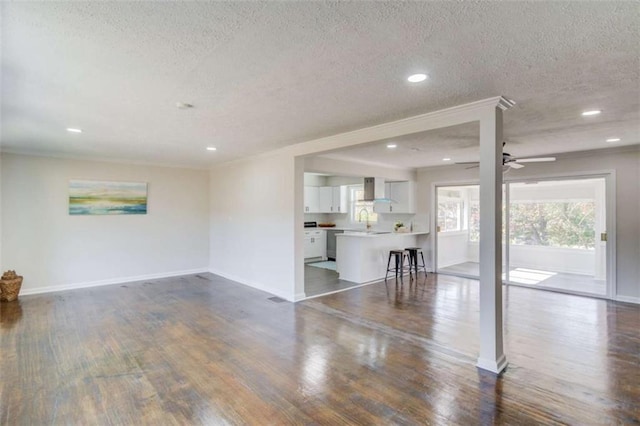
[90, 197]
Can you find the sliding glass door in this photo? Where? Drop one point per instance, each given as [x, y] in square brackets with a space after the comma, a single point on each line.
[556, 233]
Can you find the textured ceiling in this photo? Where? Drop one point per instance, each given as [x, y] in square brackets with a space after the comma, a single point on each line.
[263, 75]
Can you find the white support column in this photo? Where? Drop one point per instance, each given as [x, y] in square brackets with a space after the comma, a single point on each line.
[492, 356]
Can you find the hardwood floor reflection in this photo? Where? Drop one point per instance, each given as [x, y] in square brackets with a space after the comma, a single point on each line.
[201, 349]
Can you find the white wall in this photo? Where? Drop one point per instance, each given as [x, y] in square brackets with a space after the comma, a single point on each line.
[311, 179]
[625, 163]
[54, 250]
[1, 264]
[252, 222]
[453, 248]
[553, 259]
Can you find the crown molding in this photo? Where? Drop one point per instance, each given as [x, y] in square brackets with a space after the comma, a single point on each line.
[473, 111]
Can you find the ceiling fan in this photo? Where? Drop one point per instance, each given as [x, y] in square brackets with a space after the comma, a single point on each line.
[510, 162]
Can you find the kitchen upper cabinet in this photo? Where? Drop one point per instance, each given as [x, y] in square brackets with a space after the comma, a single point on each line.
[311, 199]
[325, 199]
[339, 199]
[402, 198]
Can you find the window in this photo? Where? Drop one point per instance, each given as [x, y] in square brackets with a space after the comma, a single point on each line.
[360, 210]
[566, 224]
[474, 221]
[450, 215]
[451, 209]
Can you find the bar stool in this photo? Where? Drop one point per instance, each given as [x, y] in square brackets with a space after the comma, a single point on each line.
[413, 260]
[399, 255]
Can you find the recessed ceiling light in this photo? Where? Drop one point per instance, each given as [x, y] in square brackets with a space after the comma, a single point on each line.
[212, 148]
[613, 140]
[591, 112]
[392, 145]
[72, 130]
[417, 78]
[446, 159]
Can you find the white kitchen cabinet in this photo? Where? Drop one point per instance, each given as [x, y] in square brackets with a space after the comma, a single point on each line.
[325, 199]
[402, 198]
[311, 199]
[315, 245]
[339, 197]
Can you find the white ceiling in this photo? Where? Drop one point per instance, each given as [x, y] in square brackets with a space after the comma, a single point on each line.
[263, 75]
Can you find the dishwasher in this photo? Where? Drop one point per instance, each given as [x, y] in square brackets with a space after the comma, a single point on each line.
[331, 243]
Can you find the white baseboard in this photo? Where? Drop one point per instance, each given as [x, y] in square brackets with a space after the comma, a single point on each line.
[628, 299]
[256, 285]
[300, 296]
[111, 281]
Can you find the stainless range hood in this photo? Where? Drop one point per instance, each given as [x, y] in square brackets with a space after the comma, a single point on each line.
[374, 190]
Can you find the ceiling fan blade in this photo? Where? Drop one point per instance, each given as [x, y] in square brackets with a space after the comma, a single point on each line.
[515, 165]
[535, 160]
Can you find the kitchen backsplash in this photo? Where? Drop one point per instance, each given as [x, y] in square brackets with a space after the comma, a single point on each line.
[318, 217]
[385, 222]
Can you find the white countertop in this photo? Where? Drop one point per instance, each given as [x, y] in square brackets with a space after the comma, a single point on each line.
[376, 234]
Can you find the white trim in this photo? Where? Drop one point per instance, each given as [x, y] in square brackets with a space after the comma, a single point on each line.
[340, 290]
[300, 296]
[628, 299]
[256, 285]
[98, 159]
[111, 281]
[610, 211]
[494, 366]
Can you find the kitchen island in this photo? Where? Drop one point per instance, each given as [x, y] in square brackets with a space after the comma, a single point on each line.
[362, 256]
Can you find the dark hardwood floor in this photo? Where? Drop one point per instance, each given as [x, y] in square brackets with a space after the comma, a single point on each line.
[322, 281]
[203, 350]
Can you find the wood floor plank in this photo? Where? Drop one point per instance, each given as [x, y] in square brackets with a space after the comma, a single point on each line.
[200, 349]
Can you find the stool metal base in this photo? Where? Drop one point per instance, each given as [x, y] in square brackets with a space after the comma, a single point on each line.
[413, 260]
[399, 256]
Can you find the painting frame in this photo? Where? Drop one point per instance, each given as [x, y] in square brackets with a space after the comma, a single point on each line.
[106, 198]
